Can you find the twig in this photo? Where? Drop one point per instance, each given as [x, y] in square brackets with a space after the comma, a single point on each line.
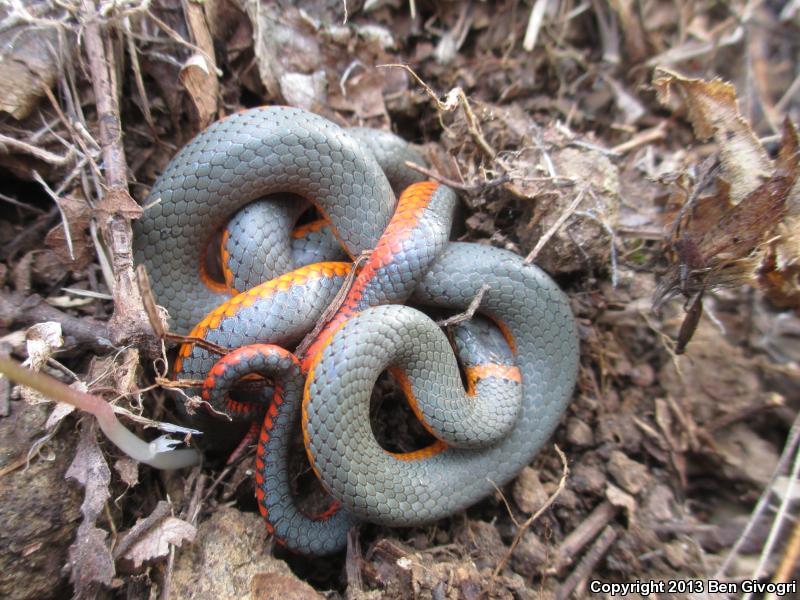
[21, 205]
[454, 97]
[791, 556]
[788, 451]
[535, 516]
[332, 308]
[79, 134]
[572, 545]
[555, 227]
[694, 48]
[193, 510]
[210, 60]
[708, 171]
[505, 502]
[648, 136]
[604, 224]
[778, 522]
[578, 577]
[133, 52]
[534, 25]
[470, 312]
[149, 302]
[353, 563]
[471, 189]
[64, 220]
[791, 92]
[16, 308]
[593, 147]
[129, 319]
[436, 177]
[39, 153]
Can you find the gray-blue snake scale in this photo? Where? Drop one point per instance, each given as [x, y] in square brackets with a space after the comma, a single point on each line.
[380, 487]
[273, 150]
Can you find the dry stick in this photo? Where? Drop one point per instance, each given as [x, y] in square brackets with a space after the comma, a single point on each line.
[22, 205]
[454, 97]
[586, 566]
[613, 254]
[788, 450]
[154, 318]
[533, 518]
[129, 318]
[572, 545]
[80, 137]
[471, 309]
[440, 178]
[534, 25]
[468, 188]
[193, 510]
[790, 559]
[15, 308]
[505, 502]
[41, 154]
[133, 52]
[792, 91]
[334, 306]
[780, 519]
[149, 302]
[648, 136]
[708, 171]
[64, 220]
[555, 227]
[212, 62]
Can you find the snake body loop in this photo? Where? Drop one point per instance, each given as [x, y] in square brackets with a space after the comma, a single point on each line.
[238, 160]
[538, 317]
[519, 382]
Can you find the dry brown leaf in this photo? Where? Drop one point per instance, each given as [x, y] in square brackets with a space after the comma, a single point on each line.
[76, 252]
[779, 276]
[362, 95]
[116, 202]
[60, 410]
[41, 341]
[285, 44]
[90, 560]
[27, 62]
[128, 470]
[157, 541]
[739, 229]
[712, 110]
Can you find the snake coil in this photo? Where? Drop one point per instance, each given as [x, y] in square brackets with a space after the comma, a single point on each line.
[520, 376]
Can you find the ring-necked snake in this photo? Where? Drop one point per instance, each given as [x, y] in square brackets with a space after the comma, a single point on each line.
[520, 379]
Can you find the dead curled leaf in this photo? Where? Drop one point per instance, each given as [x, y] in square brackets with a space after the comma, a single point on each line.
[42, 340]
[733, 233]
[712, 111]
[76, 250]
[156, 542]
[90, 560]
